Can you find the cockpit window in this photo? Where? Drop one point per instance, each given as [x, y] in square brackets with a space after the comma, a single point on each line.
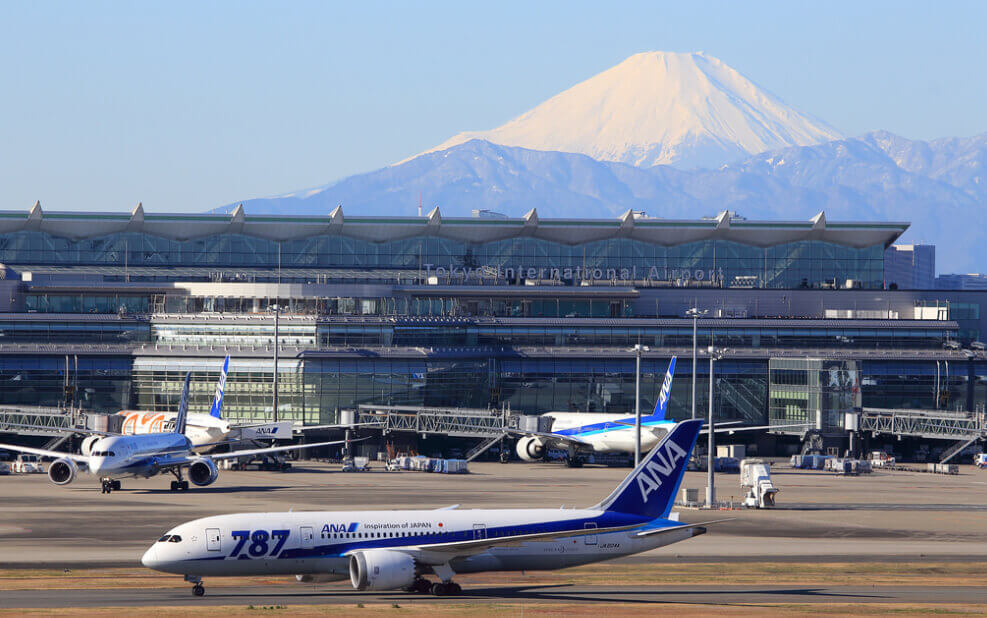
[175, 539]
[112, 454]
[164, 538]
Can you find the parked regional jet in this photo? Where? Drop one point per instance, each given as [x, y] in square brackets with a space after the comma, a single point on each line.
[147, 455]
[388, 550]
[581, 432]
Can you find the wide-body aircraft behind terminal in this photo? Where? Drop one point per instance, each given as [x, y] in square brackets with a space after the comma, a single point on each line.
[388, 550]
[584, 433]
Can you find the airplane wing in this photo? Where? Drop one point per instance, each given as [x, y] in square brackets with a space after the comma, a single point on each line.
[733, 429]
[550, 436]
[453, 549]
[43, 453]
[62, 429]
[184, 460]
[275, 449]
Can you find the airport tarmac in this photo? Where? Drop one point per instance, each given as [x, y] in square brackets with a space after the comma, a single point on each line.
[859, 529]
[905, 515]
[299, 594]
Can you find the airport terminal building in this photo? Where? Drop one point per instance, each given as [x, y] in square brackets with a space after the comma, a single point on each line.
[107, 311]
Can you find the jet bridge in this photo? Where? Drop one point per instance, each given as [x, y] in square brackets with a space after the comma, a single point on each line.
[963, 427]
[489, 426]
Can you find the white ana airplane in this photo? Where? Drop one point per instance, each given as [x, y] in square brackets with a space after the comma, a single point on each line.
[146, 455]
[388, 550]
[200, 429]
[581, 433]
[205, 430]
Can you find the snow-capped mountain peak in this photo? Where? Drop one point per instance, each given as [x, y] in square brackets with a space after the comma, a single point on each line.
[685, 109]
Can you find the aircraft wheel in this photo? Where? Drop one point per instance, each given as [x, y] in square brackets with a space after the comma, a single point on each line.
[106, 487]
[198, 590]
[423, 586]
[439, 589]
[183, 485]
[174, 485]
[116, 485]
[455, 589]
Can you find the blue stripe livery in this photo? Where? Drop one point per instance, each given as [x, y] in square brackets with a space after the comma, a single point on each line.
[655, 418]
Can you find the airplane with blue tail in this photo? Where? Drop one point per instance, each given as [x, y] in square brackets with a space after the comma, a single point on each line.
[583, 433]
[114, 456]
[396, 550]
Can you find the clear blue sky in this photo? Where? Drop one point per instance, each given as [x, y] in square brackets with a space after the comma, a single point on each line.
[192, 105]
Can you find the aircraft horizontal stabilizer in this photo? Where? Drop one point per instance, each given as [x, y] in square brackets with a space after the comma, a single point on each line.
[699, 526]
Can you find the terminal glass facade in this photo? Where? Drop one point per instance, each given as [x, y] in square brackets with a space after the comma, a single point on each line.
[800, 264]
[813, 391]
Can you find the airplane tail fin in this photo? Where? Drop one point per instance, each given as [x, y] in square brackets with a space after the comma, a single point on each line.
[182, 417]
[661, 406]
[217, 403]
[650, 489]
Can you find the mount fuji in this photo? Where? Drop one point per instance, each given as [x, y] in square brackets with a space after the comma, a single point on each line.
[660, 108]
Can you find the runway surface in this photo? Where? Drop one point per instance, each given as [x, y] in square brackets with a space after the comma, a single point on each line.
[899, 515]
[323, 595]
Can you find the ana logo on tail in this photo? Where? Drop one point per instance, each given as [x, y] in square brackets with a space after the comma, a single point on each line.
[657, 470]
[666, 391]
[217, 402]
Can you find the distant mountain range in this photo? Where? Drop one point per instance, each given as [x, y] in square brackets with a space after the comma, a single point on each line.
[586, 160]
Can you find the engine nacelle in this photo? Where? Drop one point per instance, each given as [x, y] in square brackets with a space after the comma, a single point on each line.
[86, 448]
[531, 448]
[381, 569]
[203, 472]
[62, 471]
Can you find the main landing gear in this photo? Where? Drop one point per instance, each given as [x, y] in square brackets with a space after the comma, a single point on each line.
[420, 586]
[179, 485]
[197, 589]
[443, 589]
[439, 589]
[109, 485]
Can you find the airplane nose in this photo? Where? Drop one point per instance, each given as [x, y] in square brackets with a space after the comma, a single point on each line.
[150, 558]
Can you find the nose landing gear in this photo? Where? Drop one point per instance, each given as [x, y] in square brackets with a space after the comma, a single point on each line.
[109, 485]
[178, 484]
[197, 589]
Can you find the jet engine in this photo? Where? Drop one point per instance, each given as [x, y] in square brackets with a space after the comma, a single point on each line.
[203, 472]
[531, 448]
[62, 471]
[381, 569]
[88, 443]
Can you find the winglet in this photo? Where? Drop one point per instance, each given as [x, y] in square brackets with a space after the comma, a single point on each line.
[217, 402]
[183, 407]
[661, 406]
[650, 489]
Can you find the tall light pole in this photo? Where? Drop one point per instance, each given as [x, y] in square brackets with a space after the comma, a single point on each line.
[277, 316]
[695, 312]
[714, 355]
[638, 349]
